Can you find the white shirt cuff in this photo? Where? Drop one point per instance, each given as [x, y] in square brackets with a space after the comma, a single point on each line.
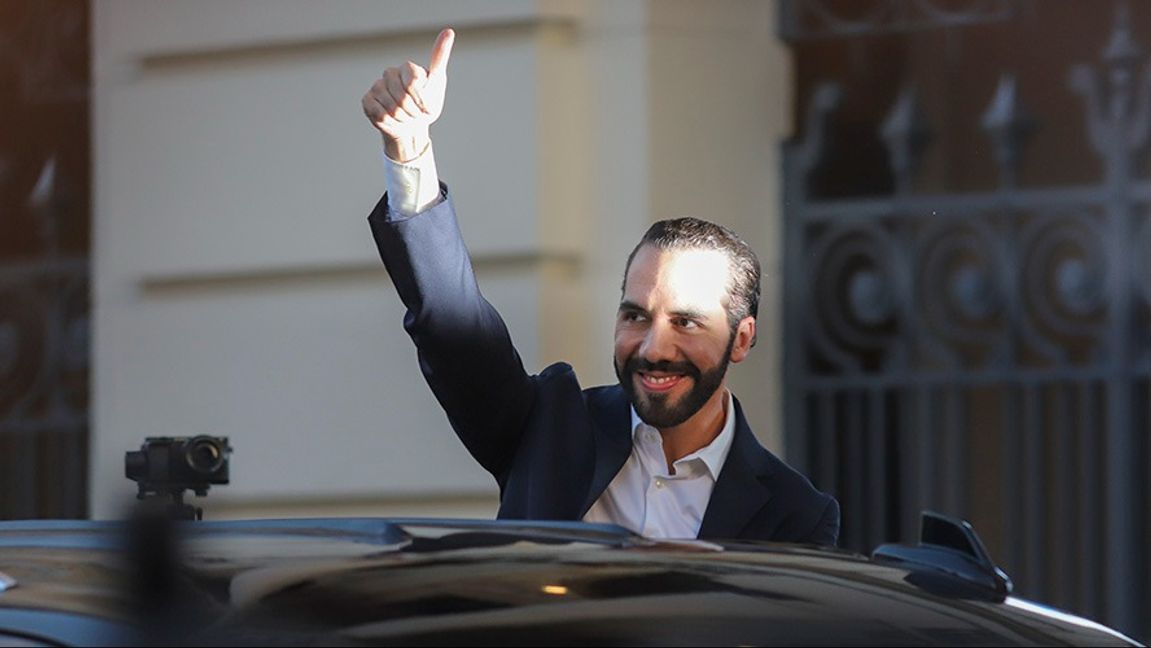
[413, 186]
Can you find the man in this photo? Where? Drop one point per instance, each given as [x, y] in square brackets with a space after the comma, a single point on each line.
[666, 452]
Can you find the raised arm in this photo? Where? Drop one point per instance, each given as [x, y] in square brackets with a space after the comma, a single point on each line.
[464, 349]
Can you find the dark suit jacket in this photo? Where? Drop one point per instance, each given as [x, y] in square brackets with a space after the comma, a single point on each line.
[552, 446]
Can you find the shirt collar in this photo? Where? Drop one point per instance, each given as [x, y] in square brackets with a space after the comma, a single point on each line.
[714, 454]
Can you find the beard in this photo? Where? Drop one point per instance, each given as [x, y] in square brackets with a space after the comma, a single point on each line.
[660, 410]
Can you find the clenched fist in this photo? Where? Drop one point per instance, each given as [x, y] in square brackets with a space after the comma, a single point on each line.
[406, 100]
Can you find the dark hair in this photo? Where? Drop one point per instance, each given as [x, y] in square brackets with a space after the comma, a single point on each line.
[695, 234]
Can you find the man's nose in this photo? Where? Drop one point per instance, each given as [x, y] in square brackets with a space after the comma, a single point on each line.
[658, 343]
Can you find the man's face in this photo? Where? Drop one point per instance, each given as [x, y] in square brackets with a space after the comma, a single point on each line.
[673, 341]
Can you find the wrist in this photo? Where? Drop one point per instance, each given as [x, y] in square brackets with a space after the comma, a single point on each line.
[406, 148]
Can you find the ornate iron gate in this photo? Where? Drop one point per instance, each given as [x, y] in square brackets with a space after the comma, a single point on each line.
[44, 245]
[986, 354]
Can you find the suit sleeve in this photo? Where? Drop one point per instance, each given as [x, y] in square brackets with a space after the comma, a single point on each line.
[463, 346]
[826, 531]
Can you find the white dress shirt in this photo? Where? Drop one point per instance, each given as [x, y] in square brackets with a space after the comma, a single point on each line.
[647, 499]
[644, 496]
[413, 186]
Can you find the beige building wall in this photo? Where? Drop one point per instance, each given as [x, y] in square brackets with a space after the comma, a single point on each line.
[237, 290]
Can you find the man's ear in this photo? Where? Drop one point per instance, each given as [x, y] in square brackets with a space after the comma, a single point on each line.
[744, 339]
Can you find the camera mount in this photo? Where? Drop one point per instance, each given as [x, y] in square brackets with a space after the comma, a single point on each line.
[165, 467]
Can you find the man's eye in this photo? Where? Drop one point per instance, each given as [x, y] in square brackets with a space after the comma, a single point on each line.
[631, 316]
[684, 322]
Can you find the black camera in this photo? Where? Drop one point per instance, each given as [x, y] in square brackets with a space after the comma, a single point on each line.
[171, 465]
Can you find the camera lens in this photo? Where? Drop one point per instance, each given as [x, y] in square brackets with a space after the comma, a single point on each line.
[204, 455]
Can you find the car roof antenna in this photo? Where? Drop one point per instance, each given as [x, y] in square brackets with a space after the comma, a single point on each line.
[949, 545]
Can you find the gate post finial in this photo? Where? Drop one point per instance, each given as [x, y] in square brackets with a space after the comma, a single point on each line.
[906, 133]
[811, 148]
[1119, 121]
[1008, 124]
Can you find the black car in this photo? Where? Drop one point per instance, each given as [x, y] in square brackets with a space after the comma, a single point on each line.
[459, 582]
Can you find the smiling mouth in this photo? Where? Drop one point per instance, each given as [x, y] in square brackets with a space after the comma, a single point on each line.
[659, 382]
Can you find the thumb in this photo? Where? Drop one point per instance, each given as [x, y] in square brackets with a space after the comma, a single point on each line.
[441, 52]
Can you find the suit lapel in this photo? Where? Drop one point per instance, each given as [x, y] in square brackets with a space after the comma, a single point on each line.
[612, 416]
[739, 492]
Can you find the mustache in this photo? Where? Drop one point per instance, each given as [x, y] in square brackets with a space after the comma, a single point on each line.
[685, 367]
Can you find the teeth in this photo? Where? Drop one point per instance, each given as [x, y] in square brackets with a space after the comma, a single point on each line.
[660, 379]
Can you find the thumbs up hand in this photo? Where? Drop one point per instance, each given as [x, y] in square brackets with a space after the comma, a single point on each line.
[407, 100]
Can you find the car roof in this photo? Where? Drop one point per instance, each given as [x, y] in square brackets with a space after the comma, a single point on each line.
[413, 580]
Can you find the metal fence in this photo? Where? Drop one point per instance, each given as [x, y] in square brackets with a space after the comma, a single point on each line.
[44, 388]
[44, 247]
[985, 354]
